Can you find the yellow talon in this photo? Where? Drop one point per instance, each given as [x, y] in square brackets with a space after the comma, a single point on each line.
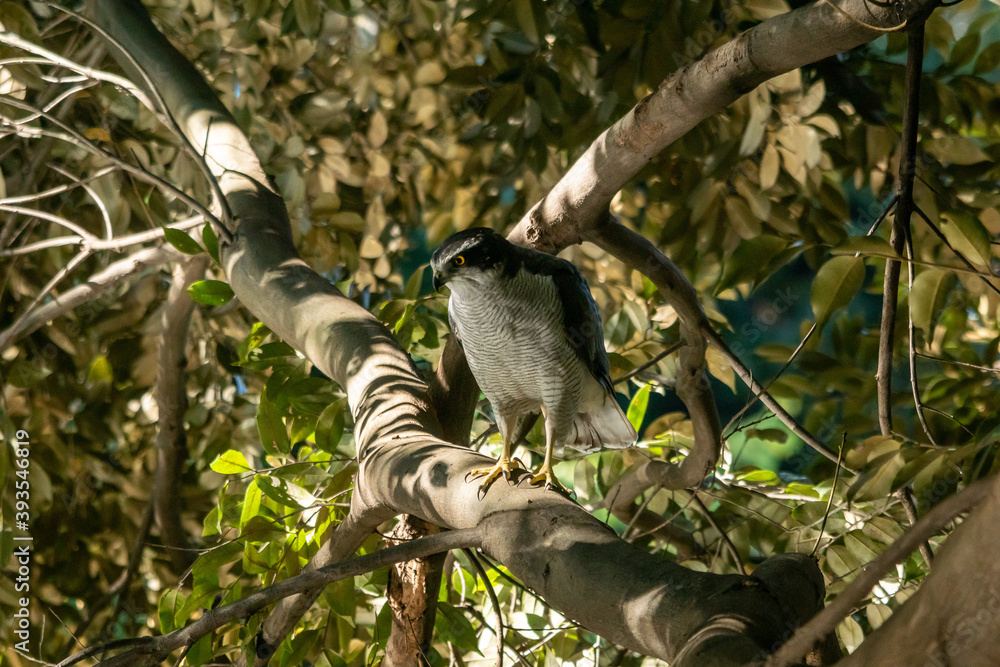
[504, 466]
[545, 475]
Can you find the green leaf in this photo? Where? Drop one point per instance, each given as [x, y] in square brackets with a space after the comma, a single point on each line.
[768, 434]
[763, 477]
[330, 426]
[100, 371]
[258, 332]
[230, 462]
[850, 633]
[928, 296]
[451, 625]
[956, 149]
[964, 50]
[841, 561]
[271, 427]
[251, 503]
[637, 408]
[182, 241]
[201, 652]
[989, 59]
[877, 614]
[170, 602]
[750, 260]
[835, 285]
[285, 493]
[875, 482]
[882, 529]
[415, 282]
[309, 15]
[967, 235]
[861, 546]
[211, 292]
[211, 242]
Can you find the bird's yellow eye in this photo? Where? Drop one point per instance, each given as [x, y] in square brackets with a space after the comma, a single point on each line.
[459, 260]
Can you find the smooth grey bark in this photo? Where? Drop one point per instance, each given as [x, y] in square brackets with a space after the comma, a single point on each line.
[171, 399]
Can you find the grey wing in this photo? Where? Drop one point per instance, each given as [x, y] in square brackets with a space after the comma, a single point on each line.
[581, 317]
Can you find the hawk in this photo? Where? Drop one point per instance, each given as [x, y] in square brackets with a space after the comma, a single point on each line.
[532, 335]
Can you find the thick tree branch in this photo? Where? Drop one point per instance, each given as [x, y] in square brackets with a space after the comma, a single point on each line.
[412, 595]
[171, 401]
[826, 621]
[580, 199]
[692, 386]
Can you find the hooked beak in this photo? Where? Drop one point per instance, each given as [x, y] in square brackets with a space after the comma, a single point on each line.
[438, 281]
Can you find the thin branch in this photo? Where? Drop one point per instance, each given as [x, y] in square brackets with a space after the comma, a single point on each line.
[105, 244]
[59, 189]
[777, 375]
[70, 135]
[493, 601]
[882, 216]
[652, 362]
[985, 369]
[156, 649]
[904, 210]
[730, 547]
[221, 227]
[94, 286]
[171, 400]
[744, 373]
[833, 489]
[692, 386]
[912, 345]
[825, 621]
[105, 215]
[16, 41]
[84, 235]
[965, 260]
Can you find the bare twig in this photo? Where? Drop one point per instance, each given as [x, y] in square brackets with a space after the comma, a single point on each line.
[912, 345]
[93, 287]
[744, 373]
[730, 547]
[833, 490]
[156, 649]
[652, 362]
[493, 601]
[781, 371]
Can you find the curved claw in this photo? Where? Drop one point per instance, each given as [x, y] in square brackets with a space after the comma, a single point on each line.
[545, 475]
[504, 466]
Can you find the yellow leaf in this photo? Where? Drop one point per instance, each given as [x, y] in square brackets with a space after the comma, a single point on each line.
[97, 134]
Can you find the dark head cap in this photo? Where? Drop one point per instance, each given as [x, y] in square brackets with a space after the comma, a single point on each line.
[479, 248]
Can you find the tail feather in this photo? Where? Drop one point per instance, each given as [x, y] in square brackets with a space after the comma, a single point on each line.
[607, 427]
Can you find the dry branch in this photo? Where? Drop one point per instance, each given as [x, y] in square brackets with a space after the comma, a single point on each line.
[94, 286]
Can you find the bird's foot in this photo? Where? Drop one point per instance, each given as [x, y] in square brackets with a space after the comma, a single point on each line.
[545, 475]
[504, 466]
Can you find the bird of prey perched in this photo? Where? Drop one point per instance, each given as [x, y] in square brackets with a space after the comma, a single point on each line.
[532, 335]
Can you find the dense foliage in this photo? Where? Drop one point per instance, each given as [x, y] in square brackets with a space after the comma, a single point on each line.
[388, 125]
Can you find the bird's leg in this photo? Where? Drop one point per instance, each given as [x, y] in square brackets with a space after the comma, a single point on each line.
[505, 465]
[544, 473]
